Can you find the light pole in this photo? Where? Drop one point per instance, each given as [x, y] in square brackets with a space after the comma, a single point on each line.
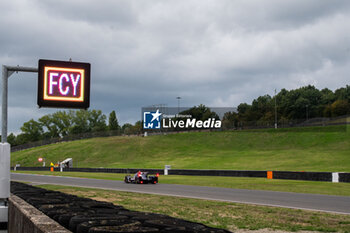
[275, 110]
[178, 104]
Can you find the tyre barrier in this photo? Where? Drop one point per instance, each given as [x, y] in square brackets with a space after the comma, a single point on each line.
[344, 177]
[83, 215]
[233, 173]
[311, 176]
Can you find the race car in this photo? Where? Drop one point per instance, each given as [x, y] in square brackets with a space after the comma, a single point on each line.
[141, 178]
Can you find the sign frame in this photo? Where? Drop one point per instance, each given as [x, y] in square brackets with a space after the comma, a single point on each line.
[64, 102]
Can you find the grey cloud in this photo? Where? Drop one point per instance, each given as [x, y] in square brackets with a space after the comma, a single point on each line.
[276, 15]
[113, 12]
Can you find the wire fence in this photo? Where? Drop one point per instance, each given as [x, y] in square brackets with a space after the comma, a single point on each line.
[66, 139]
[284, 123]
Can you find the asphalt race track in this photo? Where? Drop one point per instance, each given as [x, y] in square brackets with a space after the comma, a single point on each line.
[326, 203]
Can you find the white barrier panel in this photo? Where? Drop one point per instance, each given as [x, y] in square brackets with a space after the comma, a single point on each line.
[3, 214]
[335, 177]
[166, 168]
[5, 149]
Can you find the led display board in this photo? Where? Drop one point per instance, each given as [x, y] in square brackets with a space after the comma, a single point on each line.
[63, 84]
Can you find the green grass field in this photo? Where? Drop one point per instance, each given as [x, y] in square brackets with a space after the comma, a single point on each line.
[296, 149]
[315, 187]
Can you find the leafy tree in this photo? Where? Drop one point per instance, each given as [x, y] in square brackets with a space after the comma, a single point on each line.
[327, 96]
[97, 121]
[113, 121]
[340, 107]
[267, 117]
[63, 121]
[132, 129]
[244, 112]
[230, 120]
[261, 106]
[48, 122]
[200, 112]
[343, 93]
[80, 122]
[21, 139]
[60, 124]
[32, 131]
[84, 121]
[137, 128]
[299, 108]
[324, 107]
[12, 139]
[327, 111]
[127, 128]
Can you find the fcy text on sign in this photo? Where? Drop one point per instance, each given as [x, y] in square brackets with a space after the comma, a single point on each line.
[64, 82]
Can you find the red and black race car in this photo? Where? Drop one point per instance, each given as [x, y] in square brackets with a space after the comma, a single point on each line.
[141, 178]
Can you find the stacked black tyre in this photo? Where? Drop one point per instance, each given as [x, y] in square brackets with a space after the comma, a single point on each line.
[83, 215]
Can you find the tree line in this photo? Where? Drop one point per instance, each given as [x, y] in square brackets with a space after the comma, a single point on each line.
[298, 104]
[65, 123]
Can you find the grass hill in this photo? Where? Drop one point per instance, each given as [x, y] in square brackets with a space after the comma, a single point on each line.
[295, 149]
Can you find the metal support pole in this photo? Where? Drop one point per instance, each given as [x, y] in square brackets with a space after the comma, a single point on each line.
[4, 104]
[5, 148]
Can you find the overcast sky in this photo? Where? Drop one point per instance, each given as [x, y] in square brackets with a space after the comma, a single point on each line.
[218, 53]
